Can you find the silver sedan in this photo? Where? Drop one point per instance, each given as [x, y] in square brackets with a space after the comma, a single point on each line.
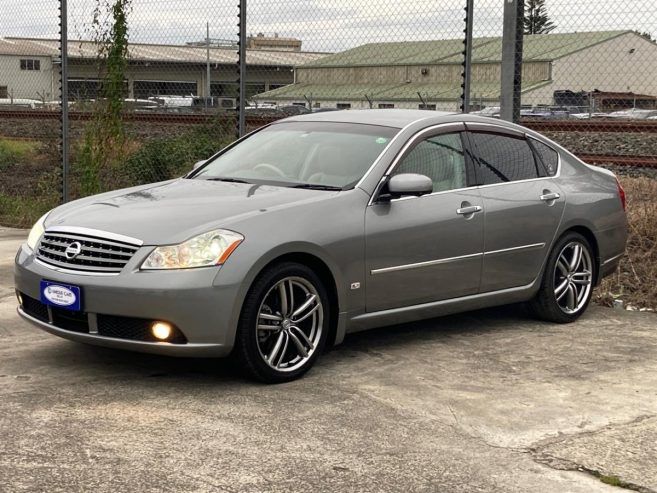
[324, 224]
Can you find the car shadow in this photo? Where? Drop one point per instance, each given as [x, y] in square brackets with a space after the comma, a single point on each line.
[100, 362]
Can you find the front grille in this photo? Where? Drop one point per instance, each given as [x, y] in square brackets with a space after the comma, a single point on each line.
[137, 329]
[35, 308]
[98, 255]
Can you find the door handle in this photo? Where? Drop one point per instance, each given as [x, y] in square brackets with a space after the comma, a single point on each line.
[466, 211]
[550, 196]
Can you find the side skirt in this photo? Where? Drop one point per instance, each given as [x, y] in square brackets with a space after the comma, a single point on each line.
[423, 311]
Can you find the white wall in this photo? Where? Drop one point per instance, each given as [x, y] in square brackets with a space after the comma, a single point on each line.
[31, 84]
[608, 66]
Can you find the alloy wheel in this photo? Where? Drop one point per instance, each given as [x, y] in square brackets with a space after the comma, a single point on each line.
[290, 323]
[573, 277]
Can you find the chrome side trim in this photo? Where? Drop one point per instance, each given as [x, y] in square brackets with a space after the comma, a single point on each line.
[534, 246]
[75, 272]
[615, 257]
[95, 233]
[411, 197]
[428, 263]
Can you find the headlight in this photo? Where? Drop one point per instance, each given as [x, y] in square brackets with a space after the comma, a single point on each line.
[204, 250]
[36, 232]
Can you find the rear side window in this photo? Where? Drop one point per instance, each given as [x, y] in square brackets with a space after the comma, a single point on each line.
[503, 158]
[548, 156]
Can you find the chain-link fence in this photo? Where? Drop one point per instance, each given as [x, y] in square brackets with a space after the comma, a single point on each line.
[153, 87]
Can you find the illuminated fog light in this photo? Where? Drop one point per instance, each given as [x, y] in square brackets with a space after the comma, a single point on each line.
[161, 330]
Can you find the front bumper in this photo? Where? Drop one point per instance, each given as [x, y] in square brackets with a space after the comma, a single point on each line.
[204, 309]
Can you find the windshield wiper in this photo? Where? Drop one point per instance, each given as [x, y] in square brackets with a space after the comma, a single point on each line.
[229, 180]
[314, 186]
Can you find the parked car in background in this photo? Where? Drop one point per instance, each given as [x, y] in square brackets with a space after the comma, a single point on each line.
[633, 114]
[490, 111]
[324, 224]
[292, 110]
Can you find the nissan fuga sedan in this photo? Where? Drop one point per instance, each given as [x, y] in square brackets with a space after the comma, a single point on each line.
[325, 224]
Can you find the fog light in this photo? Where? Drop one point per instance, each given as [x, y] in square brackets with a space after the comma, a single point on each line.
[161, 330]
[20, 298]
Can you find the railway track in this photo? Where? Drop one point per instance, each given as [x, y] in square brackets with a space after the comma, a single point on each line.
[605, 125]
[253, 121]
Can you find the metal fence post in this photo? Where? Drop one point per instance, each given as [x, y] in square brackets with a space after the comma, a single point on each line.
[242, 69]
[467, 56]
[63, 13]
[512, 38]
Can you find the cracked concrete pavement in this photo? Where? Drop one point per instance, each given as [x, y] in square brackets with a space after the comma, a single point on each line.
[484, 401]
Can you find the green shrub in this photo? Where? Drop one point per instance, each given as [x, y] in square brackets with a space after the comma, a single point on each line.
[165, 158]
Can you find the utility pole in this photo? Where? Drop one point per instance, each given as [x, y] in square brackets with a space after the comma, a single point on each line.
[63, 48]
[242, 69]
[207, 64]
[467, 57]
[512, 38]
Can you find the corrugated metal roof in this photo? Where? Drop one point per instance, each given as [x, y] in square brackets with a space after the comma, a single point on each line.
[387, 92]
[158, 53]
[537, 47]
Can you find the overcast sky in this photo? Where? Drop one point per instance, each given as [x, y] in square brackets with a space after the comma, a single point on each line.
[323, 25]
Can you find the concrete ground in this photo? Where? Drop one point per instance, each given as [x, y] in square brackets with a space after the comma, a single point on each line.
[485, 401]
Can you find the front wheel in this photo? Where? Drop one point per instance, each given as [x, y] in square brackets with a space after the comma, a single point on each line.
[567, 284]
[284, 323]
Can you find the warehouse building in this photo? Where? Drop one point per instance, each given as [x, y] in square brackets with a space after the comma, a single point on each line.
[427, 74]
[29, 68]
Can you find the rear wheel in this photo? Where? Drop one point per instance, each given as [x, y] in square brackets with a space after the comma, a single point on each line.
[567, 284]
[284, 323]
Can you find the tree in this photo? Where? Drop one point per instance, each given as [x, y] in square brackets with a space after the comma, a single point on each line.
[537, 20]
[104, 150]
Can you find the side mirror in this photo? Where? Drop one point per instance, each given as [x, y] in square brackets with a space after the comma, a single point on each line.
[198, 164]
[407, 184]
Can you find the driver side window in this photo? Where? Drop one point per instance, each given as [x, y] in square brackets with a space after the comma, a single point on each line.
[441, 158]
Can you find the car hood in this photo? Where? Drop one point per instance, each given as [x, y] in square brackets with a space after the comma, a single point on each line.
[174, 211]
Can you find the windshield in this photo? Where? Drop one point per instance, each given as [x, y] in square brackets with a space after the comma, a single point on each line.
[305, 154]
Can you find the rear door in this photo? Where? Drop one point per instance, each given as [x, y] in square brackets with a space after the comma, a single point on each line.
[429, 248]
[522, 206]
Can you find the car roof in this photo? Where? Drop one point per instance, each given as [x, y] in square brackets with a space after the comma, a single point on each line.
[414, 119]
[385, 117]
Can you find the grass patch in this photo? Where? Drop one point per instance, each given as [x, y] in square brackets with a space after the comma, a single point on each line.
[634, 281]
[611, 480]
[14, 152]
[22, 212]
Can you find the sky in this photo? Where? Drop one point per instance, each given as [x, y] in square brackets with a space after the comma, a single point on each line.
[322, 25]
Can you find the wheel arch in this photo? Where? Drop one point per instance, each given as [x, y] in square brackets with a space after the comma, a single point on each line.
[326, 273]
[587, 233]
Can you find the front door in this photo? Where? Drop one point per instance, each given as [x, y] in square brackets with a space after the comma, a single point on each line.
[429, 248]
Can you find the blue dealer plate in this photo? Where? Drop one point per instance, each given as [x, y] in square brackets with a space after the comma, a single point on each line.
[61, 295]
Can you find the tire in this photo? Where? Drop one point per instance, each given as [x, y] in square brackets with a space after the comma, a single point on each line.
[565, 291]
[284, 323]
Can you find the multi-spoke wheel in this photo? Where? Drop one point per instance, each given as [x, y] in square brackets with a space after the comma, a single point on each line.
[567, 284]
[573, 277]
[284, 323]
